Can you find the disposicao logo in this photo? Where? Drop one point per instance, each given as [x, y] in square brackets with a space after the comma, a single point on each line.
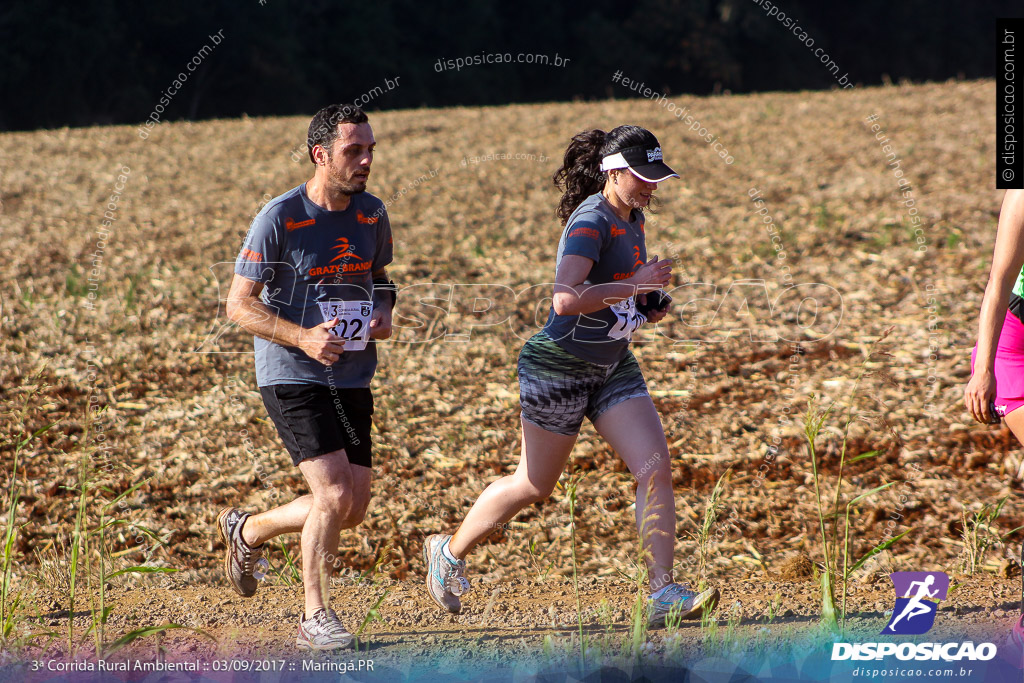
[921, 652]
[917, 598]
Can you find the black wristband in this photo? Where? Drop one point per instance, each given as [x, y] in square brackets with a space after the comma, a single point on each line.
[389, 286]
[656, 301]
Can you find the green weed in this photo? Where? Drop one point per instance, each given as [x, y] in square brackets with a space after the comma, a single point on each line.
[131, 292]
[372, 615]
[571, 489]
[979, 534]
[9, 602]
[703, 536]
[824, 218]
[294, 576]
[836, 567]
[27, 294]
[638, 623]
[373, 576]
[74, 283]
[640, 618]
[89, 555]
[773, 608]
[542, 572]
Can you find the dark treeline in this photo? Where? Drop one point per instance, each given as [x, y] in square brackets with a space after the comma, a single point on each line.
[111, 61]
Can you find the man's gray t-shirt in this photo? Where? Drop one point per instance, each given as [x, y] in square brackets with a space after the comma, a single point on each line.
[304, 254]
[617, 248]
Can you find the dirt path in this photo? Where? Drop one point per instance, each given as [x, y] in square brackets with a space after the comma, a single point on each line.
[522, 623]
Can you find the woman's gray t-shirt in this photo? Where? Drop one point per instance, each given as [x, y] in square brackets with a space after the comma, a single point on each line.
[618, 249]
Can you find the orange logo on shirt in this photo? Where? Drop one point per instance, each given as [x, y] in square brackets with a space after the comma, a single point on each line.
[616, 230]
[345, 250]
[586, 232]
[250, 255]
[636, 254]
[290, 225]
[356, 268]
[360, 218]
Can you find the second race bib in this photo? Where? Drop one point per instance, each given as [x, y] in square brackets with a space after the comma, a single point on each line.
[353, 321]
[627, 319]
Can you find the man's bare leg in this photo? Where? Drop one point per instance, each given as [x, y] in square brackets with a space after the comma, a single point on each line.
[290, 517]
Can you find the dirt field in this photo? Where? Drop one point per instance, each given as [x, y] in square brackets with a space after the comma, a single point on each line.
[130, 322]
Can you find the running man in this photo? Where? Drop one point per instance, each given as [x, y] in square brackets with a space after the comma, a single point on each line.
[310, 284]
[915, 606]
[997, 362]
[580, 366]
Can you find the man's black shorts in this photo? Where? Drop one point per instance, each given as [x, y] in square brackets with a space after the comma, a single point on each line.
[313, 419]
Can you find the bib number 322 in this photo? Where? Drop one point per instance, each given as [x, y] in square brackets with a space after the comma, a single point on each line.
[627, 319]
[353, 321]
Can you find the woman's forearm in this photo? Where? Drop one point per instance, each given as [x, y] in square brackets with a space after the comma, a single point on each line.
[583, 299]
[990, 323]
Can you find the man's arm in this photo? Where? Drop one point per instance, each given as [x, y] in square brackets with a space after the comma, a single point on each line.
[252, 315]
[380, 322]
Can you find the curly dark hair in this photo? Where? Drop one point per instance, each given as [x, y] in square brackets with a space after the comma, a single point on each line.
[580, 175]
[323, 129]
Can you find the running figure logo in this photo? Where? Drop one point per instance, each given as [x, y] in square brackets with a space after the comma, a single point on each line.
[917, 600]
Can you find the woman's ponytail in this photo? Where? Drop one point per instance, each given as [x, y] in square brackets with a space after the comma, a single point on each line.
[580, 175]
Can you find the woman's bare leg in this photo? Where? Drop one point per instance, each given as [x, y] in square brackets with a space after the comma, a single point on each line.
[633, 428]
[541, 462]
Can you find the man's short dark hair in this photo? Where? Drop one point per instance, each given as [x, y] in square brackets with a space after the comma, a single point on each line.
[323, 129]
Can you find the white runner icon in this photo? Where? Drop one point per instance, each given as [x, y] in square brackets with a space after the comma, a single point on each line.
[916, 607]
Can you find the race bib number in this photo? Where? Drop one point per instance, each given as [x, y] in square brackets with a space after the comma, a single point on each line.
[627, 319]
[353, 321]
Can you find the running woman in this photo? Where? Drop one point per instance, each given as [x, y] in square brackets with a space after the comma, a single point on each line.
[580, 366]
[310, 284]
[996, 388]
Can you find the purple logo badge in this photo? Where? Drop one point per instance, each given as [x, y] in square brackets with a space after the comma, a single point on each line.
[917, 600]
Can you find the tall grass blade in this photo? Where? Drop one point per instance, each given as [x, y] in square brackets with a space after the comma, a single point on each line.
[884, 545]
[139, 633]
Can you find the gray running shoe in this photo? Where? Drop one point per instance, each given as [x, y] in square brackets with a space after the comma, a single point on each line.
[239, 557]
[322, 631]
[445, 581]
[679, 599]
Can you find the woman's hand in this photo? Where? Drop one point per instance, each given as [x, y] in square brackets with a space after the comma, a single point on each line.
[658, 314]
[652, 275]
[978, 395]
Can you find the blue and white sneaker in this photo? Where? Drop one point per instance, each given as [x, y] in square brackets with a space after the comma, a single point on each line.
[445, 581]
[679, 599]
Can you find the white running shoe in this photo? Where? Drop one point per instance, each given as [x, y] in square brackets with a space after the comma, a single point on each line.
[322, 631]
[679, 599]
[445, 581]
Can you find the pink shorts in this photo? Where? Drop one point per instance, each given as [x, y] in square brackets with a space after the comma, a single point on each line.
[1009, 366]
